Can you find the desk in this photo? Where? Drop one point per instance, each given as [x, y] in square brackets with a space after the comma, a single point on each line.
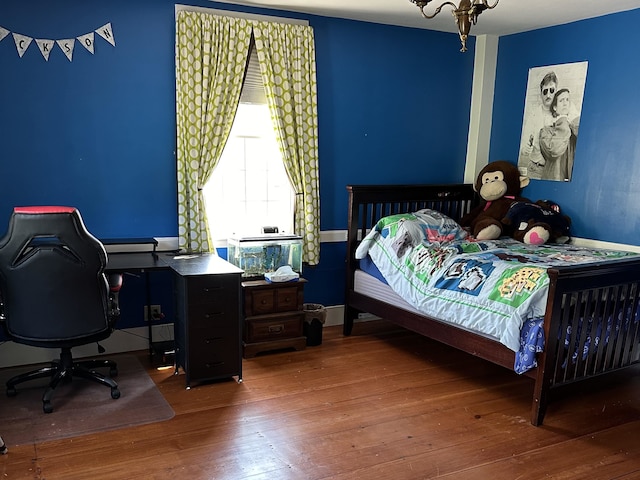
[142, 263]
[207, 326]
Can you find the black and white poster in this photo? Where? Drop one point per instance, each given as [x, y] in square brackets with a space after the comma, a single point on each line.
[551, 120]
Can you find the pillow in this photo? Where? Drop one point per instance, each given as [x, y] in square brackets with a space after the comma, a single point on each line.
[404, 231]
[440, 228]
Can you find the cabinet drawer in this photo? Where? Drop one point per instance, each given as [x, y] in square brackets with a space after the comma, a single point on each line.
[261, 302]
[272, 298]
[273, 328]
[287, 299]
[217, 314]
[212, 357]
[212, 289]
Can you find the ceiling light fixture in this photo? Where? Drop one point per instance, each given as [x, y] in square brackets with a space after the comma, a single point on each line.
[466, 14]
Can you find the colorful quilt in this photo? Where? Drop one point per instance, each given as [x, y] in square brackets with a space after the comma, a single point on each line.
[493, 287]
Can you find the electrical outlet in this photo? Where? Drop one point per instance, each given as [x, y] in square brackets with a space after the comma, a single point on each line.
[156, 313]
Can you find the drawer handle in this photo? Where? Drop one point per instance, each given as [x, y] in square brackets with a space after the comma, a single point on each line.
[211, 315]
[209, 341]
[210, 289]
[276, 328]
[211, 365]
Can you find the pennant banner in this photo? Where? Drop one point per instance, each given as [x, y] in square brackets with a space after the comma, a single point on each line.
[45, 47]
[87, 41]
[66, 45]
[22, 43]
[106, 33]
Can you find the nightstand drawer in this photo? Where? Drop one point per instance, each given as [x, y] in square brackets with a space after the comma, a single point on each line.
[287, 299]
[273, 328]
[260, 302]
[271, 298]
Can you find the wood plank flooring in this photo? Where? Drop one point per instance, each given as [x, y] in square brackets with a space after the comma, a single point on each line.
[383, 403]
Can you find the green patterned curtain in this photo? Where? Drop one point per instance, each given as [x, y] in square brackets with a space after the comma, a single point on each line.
[211, 58]
[287, 62]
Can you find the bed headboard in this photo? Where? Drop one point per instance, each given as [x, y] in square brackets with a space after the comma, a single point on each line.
[369, 203]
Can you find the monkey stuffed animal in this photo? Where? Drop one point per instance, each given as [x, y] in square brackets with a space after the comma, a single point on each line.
[499, 185]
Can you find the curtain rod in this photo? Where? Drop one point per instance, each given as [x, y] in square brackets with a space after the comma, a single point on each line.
[248, 16]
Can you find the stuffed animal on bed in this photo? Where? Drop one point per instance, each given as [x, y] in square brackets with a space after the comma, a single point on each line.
[537, 223]
[499, 185]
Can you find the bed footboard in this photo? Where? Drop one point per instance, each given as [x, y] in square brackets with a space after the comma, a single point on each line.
[591, 326]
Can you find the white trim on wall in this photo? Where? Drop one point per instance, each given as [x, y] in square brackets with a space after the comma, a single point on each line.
[484, 77]
[336, 236]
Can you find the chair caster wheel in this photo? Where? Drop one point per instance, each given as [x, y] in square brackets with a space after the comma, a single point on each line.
[115, 393]
[47, 407]
[11, 392]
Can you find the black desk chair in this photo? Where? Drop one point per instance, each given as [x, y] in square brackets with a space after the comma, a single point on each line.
[54, 293]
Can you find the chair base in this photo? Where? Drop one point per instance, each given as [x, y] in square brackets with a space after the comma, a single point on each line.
[64, 370]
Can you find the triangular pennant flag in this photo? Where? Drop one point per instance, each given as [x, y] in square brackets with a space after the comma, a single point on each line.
[45, 47]
[67, 46]
[106, 32]
[3, 33]
[86, 41]
[22, 43]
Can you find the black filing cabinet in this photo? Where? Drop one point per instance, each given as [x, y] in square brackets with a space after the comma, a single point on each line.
[208, 326]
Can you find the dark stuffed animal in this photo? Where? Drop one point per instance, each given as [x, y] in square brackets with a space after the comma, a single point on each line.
[537, 223]
[499, 185]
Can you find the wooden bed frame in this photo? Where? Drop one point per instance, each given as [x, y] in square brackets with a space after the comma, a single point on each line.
[594, 291]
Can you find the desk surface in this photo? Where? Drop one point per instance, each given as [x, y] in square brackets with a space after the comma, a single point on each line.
[119, 262]
[200, 264]
[183, 265]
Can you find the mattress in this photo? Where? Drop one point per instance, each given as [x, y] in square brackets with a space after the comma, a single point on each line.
[369, 285]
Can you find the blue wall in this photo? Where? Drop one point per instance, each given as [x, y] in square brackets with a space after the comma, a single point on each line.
[99, 132]
[393, 106]
[603, 196]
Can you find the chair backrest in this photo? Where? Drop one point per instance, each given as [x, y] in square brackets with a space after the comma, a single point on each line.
[54, 291]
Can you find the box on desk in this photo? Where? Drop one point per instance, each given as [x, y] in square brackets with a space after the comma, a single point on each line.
[265, 253]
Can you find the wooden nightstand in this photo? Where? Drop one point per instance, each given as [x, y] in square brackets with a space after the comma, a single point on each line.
[273, 316]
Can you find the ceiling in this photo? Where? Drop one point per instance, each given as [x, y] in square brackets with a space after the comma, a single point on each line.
[510, 16]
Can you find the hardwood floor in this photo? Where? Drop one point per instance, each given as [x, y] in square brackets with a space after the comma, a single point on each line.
[381, 404]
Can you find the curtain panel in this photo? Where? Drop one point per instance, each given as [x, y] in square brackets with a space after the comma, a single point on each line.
[287, 61]
[211, 57]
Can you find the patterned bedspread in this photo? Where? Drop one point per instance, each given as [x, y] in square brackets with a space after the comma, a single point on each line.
[497, 287]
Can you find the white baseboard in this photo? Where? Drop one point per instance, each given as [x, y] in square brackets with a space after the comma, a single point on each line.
[120, 341]
[126, 340]
[335, 315]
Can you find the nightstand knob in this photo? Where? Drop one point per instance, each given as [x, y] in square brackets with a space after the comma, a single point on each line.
[276, 328]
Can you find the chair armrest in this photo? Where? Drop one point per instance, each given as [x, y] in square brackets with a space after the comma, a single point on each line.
[115, 284]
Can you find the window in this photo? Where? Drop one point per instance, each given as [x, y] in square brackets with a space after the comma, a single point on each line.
[249, 188]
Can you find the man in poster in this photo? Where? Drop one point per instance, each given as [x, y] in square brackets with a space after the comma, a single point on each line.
[550, 125]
